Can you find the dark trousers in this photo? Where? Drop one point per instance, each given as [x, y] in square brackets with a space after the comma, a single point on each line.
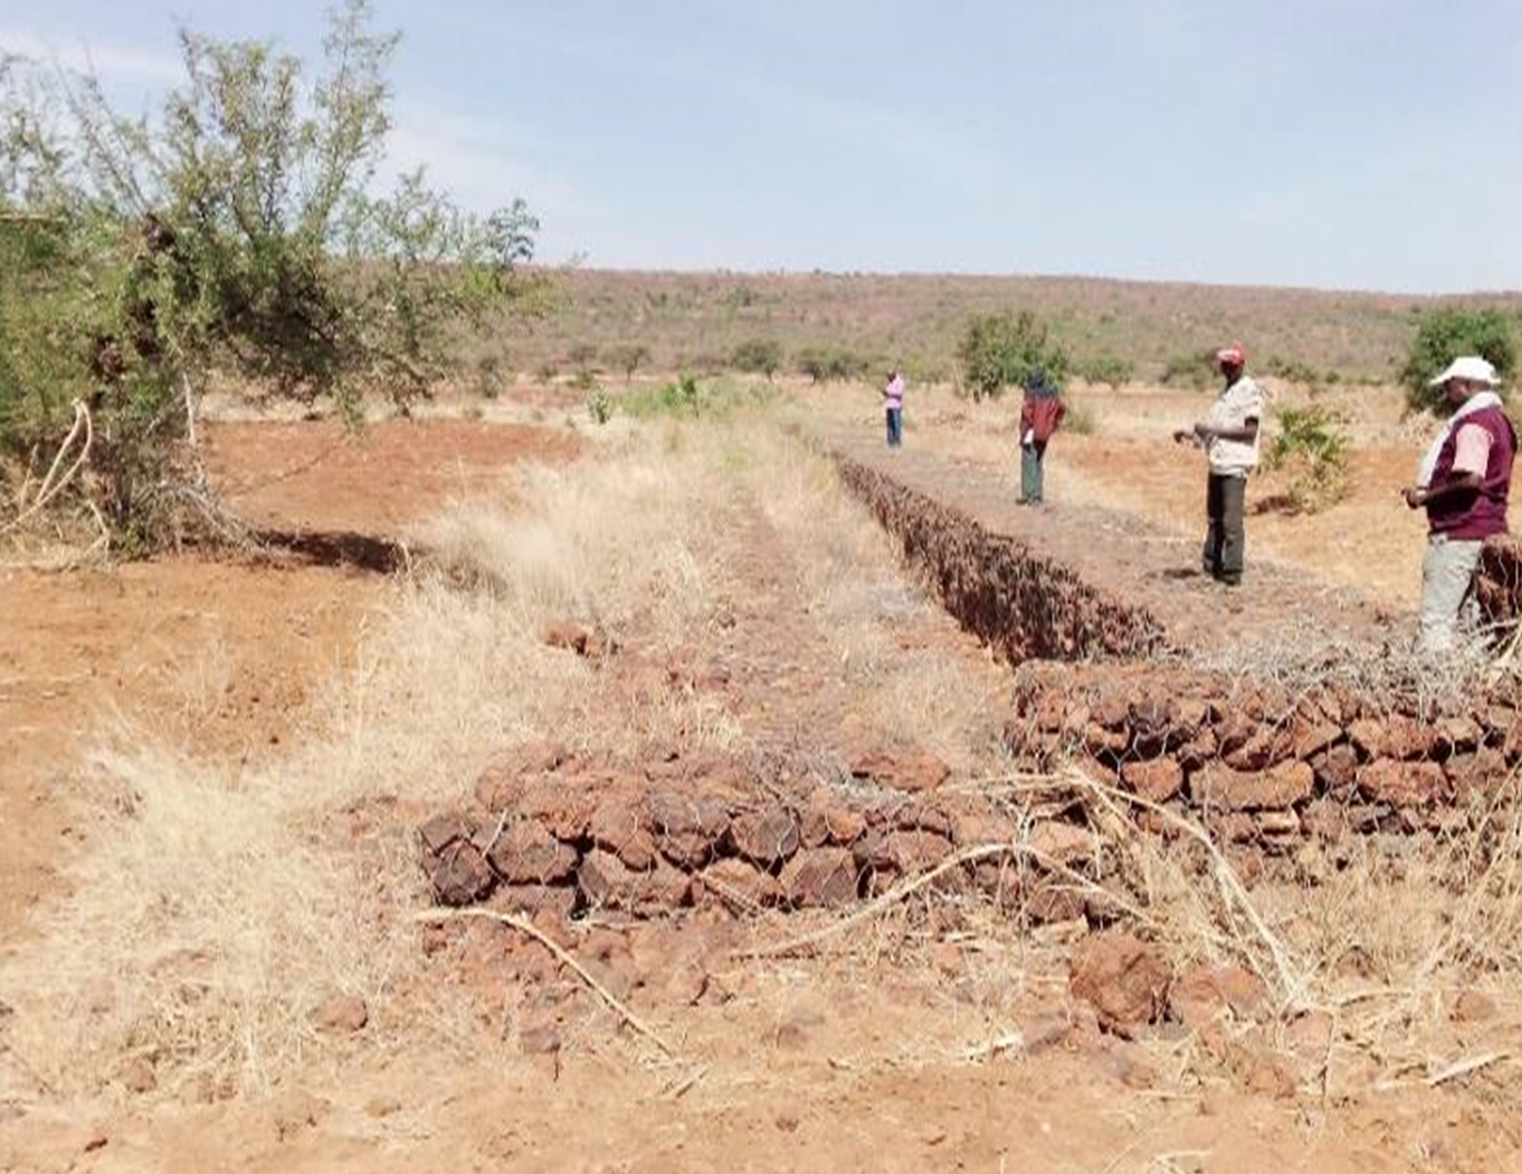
[1225, 536]
[895, 427]
[1030, 470]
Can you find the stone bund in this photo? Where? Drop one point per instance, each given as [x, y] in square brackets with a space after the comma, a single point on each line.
[1104, 654]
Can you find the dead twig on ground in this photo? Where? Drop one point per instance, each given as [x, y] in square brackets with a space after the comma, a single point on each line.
[526, 927]
[907, 888]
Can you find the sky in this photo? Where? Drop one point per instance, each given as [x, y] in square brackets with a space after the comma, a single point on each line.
[1352, 144]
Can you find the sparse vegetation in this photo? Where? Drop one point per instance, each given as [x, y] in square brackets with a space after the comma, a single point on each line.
[830, 364]
[628, 357]
[1311, 449]
[758, 356]
[999, 351]
[1195, 370]
[1106, 369]
[1445, 334]
[237, 230]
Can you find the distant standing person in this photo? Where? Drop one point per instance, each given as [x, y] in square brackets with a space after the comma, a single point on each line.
[1463, 484]
[1041, 415]
[893, 399]
[1229, 436]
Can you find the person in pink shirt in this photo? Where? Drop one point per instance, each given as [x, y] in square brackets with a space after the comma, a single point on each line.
[1463, 484]
[893, 400]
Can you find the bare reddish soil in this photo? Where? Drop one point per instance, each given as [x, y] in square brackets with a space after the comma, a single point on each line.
[222, 657]
[323, 477]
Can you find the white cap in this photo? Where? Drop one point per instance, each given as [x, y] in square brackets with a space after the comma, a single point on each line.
[1470, 367]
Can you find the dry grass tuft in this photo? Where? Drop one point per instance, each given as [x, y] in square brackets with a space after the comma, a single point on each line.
[218, 907]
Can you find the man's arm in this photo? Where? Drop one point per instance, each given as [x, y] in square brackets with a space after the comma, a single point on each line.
[1246, 434]
[1416, 496]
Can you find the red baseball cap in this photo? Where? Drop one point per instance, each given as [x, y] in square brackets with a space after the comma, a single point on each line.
[1232, 356]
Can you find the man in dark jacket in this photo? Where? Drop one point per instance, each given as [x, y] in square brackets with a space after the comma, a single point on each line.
[1463, 484]
[1041, 415]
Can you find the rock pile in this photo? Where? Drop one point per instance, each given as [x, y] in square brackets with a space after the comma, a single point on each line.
[1258, 764]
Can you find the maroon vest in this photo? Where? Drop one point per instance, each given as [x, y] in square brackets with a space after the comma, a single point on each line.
[1482, 514]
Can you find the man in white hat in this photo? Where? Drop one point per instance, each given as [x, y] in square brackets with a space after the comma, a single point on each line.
[1463, 484]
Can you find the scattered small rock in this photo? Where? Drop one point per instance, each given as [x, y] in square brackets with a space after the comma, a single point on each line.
[1123, 978]
[341, 1015]
[1472, 1006]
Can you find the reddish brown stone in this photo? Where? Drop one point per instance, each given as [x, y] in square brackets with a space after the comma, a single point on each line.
[526, 854]
[912, 853]
[502, 781]
[738, 884]
[1475, 772]
[1458, 734]
[766, 838]
[1063, 842]
[828, 820]
[1205, 993]
[916, 817]
[1222, 788]
[687, 827]
[1367, 737]
[1336, 769]
[443, 830]
[1266, 748]
[902, 772]
[461, 876]
[576, 637]
[1403, 784]
[618, 827]
[1111, 710]
[607, 883]
[341, 1015]
[563, 806]
[972, 828]
[1157, 781]
[820, 878]
[1099, 740]
[1309, 738]
[1124, 979]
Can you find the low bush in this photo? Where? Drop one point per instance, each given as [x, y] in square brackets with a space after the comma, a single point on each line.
[757, 356]
[830, 364]
[1312, 451]
[1107, 369]
[1195, 370]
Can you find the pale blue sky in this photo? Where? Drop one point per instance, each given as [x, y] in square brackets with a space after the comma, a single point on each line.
[1345, 143]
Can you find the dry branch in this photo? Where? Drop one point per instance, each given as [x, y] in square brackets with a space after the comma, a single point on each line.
[524, 926]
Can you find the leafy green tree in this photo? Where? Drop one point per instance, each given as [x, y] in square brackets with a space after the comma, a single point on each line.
[999, 351]
[237, 229]
[1444, 335]
[758, 356]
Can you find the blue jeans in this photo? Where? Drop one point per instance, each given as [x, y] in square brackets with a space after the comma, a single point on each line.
[895, 427]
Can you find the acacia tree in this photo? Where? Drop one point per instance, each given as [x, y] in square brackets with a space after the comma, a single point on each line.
[998, 351]
[239, 231]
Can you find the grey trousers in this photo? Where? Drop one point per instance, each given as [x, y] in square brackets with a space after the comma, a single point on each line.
[1449, 607]
[1225, 534]
[1031, 456]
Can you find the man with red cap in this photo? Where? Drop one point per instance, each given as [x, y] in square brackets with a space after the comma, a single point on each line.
[1229, 436]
